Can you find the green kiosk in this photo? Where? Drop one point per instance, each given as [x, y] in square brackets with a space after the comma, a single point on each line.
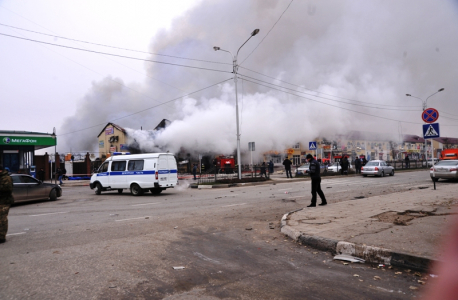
[17, 149]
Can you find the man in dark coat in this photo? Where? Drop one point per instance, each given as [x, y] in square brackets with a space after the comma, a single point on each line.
[263, 170]
[271, 167]
[344, 164]
[41, 175]
[194, 171]
[358, 165]
[6, 199]
[314, 171]
[287, 163]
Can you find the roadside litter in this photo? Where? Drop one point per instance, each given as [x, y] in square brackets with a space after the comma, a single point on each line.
[349, 258]
[178, 268]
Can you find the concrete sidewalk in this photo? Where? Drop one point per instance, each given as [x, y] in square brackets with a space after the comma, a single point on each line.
[401, 229]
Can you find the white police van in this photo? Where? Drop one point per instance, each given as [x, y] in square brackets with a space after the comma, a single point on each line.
[138, 172]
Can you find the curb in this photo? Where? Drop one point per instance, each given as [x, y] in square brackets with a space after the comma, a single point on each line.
[368, 253]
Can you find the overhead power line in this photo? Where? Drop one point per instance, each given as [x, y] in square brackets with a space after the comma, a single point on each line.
[268, 32]
[115, 55]
[143, 110]
[338, 101]
[114, 47]
[328, 104]
[302, 87]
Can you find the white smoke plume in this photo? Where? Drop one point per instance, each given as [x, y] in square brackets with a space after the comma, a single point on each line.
[370, 51]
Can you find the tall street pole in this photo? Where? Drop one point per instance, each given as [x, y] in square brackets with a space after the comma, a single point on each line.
[234, 70]
[424, 106]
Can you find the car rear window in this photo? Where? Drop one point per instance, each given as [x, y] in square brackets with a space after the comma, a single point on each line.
[447, 163]
[135, 165]
[372, 163]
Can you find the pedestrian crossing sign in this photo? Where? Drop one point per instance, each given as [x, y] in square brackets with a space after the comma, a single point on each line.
[312, 145]
[431, 131]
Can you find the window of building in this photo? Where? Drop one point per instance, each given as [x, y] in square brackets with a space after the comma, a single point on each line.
[296, 146]
[296, 159]
[135, 165]
[118, 166]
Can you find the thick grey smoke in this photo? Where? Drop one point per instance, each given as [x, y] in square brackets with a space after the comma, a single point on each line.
[370, 51]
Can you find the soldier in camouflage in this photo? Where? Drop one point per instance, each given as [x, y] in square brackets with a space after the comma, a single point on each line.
[6, 199]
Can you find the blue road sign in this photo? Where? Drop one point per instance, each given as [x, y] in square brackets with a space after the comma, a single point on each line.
[312, 145]
[431, 131]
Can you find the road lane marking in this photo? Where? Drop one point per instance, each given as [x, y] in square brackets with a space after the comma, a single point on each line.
[63, 212]
[133, 219]
[206, 258]
[15, 233]
[146, 204]
[233, 205]
[285, 189]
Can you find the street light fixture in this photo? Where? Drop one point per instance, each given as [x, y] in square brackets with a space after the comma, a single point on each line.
[234, 70]
[425, 103]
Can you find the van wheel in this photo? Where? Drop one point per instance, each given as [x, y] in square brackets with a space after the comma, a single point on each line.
[136, 190]
[98, 189]
[156, 191]
[119, 191]
[53, 195]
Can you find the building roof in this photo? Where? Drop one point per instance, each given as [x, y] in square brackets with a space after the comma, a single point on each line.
[447, 140]
[114, 125]
[20, 132]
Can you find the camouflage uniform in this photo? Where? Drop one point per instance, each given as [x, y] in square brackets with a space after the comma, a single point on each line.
[6, 199]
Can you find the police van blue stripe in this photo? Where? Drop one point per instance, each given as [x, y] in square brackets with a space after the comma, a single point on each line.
[117, 173]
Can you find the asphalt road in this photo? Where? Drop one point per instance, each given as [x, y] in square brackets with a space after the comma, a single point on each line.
[116, 246]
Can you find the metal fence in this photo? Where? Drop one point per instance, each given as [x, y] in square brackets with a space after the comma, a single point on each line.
[231, 175]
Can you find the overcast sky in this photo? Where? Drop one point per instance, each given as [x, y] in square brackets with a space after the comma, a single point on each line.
[334, 65]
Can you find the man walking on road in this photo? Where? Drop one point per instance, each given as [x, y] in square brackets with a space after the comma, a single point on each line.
[314, 171]
[358, 165]
[6, 199]
[287, 163]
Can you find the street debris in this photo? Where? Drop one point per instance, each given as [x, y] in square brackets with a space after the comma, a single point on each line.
[113, 286]
[345, 264]
[381, 265]
[422, 187]
[359, 197]
[349, 258]
[175, 227]
[146, 217]
[377, 278]
[413, 288]
[433, 276]
[398, 273]
[329, 187]
[178, 268]
[421, 282]
[356, 275]
[417, 274]
[248, 228]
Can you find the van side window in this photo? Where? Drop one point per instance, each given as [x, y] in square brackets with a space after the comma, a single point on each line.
[135, 165]
[104, 167]
[118, 166]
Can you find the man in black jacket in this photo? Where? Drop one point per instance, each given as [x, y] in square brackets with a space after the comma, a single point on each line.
[287, 163]
[314, 171]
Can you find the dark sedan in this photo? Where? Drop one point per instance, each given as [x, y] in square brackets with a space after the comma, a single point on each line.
[27, 188]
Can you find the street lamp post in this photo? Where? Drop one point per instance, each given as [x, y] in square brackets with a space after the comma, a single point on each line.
[234, 70]
[425, 105]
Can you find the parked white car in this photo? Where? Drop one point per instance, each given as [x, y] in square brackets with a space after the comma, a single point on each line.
[377, 168]
[336, 167]
[304, 169]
